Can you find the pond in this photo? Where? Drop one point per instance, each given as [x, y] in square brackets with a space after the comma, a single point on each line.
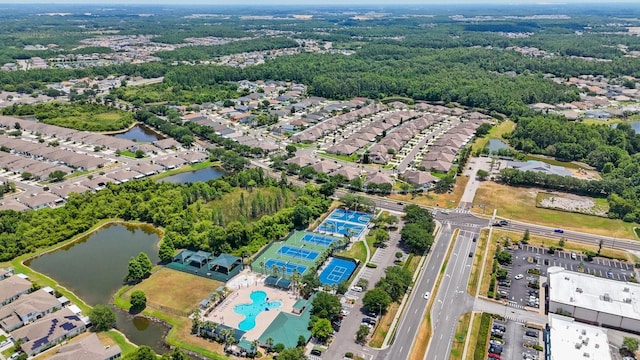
[140, 133]
[496, 144]
[196, 175]
[635, 125]
[93, 268]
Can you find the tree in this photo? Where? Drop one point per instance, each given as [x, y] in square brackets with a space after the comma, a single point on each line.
[322, 330]
[291, 149]
[26, 175]
[301, 215]
[561, 242]
[416, 238]
[166, 251]
[482, 174]
[310, 282]
[296, 353]
[503, 257]
[57, 175]
[630, 344]
[138, 301]
[326, 306]
[526, 237]
[376, 300]
[139, 154]
[145, 264]
[395, 282]
[176, 354]
[142, 353]
[102, 317]
[362, 334]
[135, 271]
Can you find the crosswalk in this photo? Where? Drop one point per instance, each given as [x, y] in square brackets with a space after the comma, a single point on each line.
[470, 225]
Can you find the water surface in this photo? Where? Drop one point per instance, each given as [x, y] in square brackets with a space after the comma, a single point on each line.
[196, 175]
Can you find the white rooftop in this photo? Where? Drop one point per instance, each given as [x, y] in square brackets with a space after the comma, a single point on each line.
[574, 340]
[594, 293]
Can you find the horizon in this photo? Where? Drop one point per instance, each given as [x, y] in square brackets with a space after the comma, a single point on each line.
[302, 3]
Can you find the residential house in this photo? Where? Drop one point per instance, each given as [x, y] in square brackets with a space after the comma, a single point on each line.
[49, 331]
[12, 287]
[420, 178]
[379, 178]
[28, 308]
[40, 200]
[87, 348]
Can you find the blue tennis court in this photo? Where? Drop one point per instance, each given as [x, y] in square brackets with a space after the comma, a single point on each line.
[337, 271]
[318, 239]
[341, 227]
[289, 266]
[299, 253]
[350, 216]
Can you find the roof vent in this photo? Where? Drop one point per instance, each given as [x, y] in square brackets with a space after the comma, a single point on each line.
[586, 355]
[626, 289]
[578, 345]
[579, 290]
[628, 300]
[606, 297]
[566, 278]
[584, 332]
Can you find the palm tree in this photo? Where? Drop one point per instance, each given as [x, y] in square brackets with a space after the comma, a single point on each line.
[269, 343]
[295, 278]
[255, 344]
[226, 334]
[262, 267]
[274, 270]
[284, 271]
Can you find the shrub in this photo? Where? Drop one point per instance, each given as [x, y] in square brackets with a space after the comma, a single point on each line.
[349, 355]
[371, 265]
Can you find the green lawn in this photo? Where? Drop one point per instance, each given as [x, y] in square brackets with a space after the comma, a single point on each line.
[350, 158]
[357, 251]
[520, 204]
[496, 132]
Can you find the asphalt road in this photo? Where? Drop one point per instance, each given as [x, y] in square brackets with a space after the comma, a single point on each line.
[452, 300]
[416, 306]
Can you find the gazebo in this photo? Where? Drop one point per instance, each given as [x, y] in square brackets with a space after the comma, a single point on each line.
[183, 256]
[226, 262]
[199, 259]
[277, 282]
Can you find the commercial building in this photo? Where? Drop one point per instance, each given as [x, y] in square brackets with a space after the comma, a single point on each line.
[573, 340]
[594, 300]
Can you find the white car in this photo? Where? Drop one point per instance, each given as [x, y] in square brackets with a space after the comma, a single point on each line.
[518, 277]
[426, 295]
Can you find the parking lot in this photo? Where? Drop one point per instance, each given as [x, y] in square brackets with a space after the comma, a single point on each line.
[520, 286]
[508, 340]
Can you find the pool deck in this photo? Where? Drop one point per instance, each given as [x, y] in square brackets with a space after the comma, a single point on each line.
[243, 285]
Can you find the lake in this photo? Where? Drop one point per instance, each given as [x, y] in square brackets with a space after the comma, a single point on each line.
[496, 144]
[635, 125]
[140, 133]
[196, 175]
[93, 268]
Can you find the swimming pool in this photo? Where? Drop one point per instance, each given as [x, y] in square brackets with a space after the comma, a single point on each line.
[259, 303]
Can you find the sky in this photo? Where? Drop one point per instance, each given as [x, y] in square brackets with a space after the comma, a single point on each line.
[308, 2]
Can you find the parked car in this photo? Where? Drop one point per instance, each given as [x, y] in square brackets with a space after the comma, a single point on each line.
[499, 327]
[495, 350]
[518, 277]
[531, 333]
[494, 356]
[495, 342]
[316, 352]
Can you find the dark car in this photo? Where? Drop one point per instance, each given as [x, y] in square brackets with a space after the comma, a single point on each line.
[471, 254]
[316, 352]
[475, 239]
[499, 327]
[559, 231]
[496, 224]
[503, 222]
[531, 333]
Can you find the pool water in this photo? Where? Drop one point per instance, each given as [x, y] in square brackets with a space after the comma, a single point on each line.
[259, 304]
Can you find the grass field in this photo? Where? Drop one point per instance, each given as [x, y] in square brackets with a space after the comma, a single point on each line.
[161, 289]
[163, 285]
[357, 251]
[461, 335]
[520, 204]
[480, 348]
[446, 200]
[496, 132]
[106, 121]
[488, 263]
